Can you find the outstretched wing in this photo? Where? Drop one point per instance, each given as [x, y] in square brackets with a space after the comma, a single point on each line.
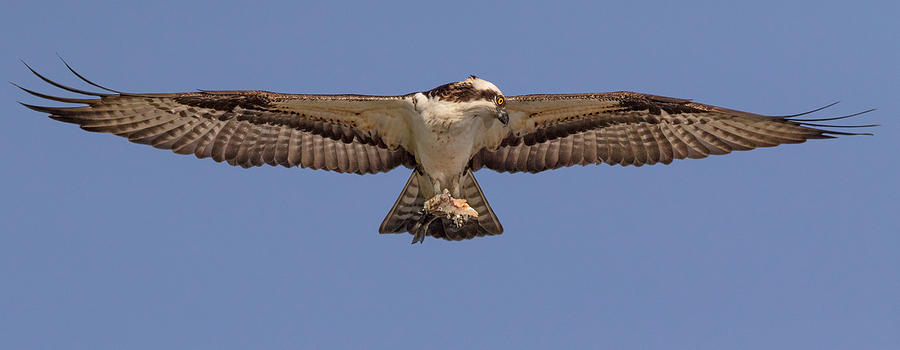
[626, 128]
[344, 133]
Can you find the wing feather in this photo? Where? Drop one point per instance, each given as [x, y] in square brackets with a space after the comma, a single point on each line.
[637, 145]
[282, 147]
[242, 158]
[552, 155]
[626, 128]
[361, 158]
[269, 140]
[373, 157]
[510, 155]
[565, 152]
[167, 140]
[330, 156]
[220, 143]
[344, 133]
[664, 151]
[203, 147]
[294, 153]
[591, 148]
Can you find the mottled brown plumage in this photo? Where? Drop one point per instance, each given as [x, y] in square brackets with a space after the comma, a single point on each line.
[244, 128]
[627, 128]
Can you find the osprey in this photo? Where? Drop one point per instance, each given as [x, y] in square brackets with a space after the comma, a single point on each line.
[443, 134]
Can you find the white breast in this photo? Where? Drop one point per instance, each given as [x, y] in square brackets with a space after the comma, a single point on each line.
[444, 139]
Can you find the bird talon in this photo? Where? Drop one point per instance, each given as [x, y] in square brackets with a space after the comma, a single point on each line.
[445, 206]
[441, 206]
[420, 229]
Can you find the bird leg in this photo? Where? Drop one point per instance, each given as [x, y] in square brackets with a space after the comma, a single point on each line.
[442, 206]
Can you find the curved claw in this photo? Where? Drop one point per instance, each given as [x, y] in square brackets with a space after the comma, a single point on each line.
[420, 230]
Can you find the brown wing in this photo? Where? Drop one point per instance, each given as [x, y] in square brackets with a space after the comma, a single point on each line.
[343, 133]
[626, 128]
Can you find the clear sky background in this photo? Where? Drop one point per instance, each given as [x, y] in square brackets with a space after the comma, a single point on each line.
[111, 245]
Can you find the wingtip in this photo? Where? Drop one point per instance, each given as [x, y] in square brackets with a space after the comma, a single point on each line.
[61, 86]
[21, 88]
[55, 98]
[29, 67]
[85, 79]
[806, 121]
[809, 112]
[63, 60]
[31, 107]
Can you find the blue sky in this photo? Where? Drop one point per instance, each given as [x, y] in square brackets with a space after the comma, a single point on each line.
[111, 245]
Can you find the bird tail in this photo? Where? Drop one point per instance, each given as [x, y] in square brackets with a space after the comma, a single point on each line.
[407, 211]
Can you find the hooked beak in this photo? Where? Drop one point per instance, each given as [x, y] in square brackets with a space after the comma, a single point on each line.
[503, 117]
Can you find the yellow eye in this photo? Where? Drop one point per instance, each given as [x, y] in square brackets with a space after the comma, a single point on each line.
[500, 101]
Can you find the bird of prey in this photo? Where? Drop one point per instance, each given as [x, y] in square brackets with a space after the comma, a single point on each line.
[443, 135]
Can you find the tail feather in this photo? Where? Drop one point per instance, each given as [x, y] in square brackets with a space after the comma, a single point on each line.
[488, 223]
[406, 210]
[406, 213]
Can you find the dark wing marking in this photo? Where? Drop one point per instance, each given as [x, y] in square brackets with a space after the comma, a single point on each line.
[344, 133]
[626, 128]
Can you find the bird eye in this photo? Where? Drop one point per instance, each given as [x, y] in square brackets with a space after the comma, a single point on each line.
[499, 100]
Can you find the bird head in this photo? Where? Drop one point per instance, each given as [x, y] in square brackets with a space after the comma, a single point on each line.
[473, 95]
